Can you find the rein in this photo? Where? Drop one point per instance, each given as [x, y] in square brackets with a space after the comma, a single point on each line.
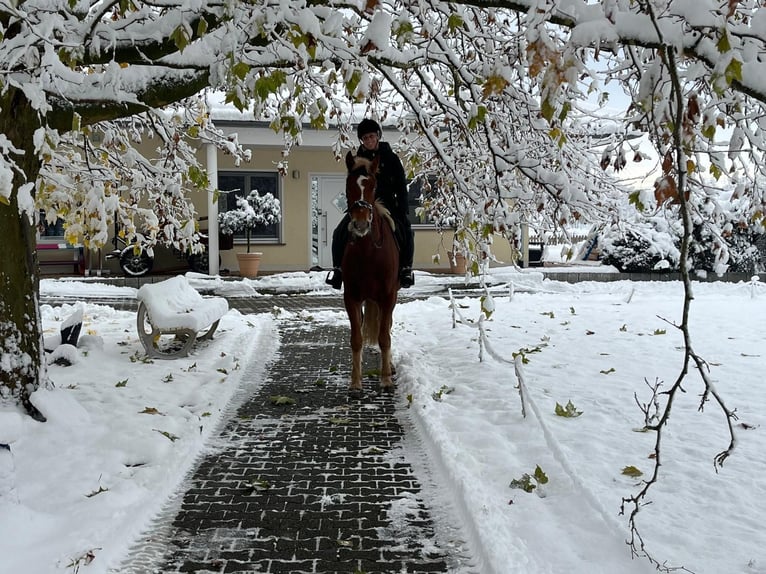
[376, 230]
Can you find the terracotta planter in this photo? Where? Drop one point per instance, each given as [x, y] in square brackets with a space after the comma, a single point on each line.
[456, 263]
[249, 264]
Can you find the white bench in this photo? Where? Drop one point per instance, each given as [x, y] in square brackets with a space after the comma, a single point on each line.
[174, 308]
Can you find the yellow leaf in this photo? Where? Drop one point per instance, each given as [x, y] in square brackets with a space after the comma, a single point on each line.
[494, 85]
[631, 471]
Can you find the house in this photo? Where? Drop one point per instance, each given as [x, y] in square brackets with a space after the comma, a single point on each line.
[312, 199]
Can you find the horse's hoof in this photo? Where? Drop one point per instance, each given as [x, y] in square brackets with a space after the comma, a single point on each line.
[355, 394]
[388, 390]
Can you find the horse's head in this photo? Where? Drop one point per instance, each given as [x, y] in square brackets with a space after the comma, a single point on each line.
[360, 192]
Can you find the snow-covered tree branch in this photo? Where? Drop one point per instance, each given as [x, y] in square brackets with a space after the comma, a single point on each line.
[503, 106]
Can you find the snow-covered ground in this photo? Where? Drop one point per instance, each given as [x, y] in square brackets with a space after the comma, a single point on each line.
[122, 432]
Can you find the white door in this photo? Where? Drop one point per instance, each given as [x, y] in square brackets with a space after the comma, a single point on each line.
[329, 206]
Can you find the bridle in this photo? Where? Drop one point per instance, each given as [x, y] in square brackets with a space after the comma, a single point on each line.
[362, 203]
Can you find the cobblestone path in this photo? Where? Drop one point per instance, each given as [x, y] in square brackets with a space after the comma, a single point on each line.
[321, 485]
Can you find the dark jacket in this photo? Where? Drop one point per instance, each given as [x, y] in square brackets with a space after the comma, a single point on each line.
[392, 182]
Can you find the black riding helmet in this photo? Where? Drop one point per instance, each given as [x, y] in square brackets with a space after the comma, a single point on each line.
[368, 126]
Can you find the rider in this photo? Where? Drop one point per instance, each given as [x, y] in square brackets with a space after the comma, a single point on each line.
[392, 191]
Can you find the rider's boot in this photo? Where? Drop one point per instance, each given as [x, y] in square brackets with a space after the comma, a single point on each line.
[406, 277]
[334, 278]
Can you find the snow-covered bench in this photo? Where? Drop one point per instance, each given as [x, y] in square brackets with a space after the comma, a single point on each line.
[174, 308]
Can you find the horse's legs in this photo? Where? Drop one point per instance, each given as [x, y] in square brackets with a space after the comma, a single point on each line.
[354, 311]
[384, 342]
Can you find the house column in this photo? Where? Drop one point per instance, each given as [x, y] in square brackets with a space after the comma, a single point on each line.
[211, 160]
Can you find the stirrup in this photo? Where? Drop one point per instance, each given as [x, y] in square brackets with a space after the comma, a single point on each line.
[334, 278]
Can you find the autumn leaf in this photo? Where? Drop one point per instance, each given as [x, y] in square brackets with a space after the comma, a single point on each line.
[606, 159]
[665, 189]
[95, 492]
[619, 160]
[667, 163]
[635, 199]
[732, 8]
[632, 471]
[692, 110]
[723, 45]
[181, 38]
[734, 71]
[368, 47]
[339, 420]
[524, 483]
[170, 436]
[258, 484]
[569, 411]
[454, 22]
[494, 85]
[281, 400]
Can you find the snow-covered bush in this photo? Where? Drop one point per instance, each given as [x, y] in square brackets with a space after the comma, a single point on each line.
[745, 256]
[252, 211]
[639, 247]
[653, 246]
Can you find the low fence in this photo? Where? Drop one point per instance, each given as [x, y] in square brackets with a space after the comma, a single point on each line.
[557, 239]
[574, 277]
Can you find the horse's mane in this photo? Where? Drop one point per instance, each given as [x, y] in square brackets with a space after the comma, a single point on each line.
[383, 211]
[360, 164]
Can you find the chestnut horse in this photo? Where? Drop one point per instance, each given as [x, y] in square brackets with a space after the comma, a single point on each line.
[370, 270]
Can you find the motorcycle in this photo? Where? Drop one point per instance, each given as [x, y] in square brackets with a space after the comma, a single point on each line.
[136, 262]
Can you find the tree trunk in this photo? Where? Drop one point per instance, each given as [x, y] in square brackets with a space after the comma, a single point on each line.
[21, 348]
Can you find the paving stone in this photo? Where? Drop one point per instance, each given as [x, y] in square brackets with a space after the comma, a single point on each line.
[317, 487]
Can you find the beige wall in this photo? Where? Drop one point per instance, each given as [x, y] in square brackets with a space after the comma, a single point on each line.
[430, 242]
[293, 253]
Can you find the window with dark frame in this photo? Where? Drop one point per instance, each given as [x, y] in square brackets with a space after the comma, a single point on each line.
[50, 230]
[240, 184]
[414, 201]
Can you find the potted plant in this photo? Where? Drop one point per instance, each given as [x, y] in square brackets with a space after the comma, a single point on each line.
[456, 262]
[251, 211]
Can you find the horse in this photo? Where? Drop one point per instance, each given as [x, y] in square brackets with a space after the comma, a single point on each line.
[370, 269]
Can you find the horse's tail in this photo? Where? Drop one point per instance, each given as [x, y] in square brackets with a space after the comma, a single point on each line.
[370, 322]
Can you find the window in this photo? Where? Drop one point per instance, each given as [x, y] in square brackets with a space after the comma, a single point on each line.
[414, 201]
[50, 230]
[239, 184]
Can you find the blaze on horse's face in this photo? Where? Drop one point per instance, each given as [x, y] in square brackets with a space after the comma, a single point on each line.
[360, 193]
